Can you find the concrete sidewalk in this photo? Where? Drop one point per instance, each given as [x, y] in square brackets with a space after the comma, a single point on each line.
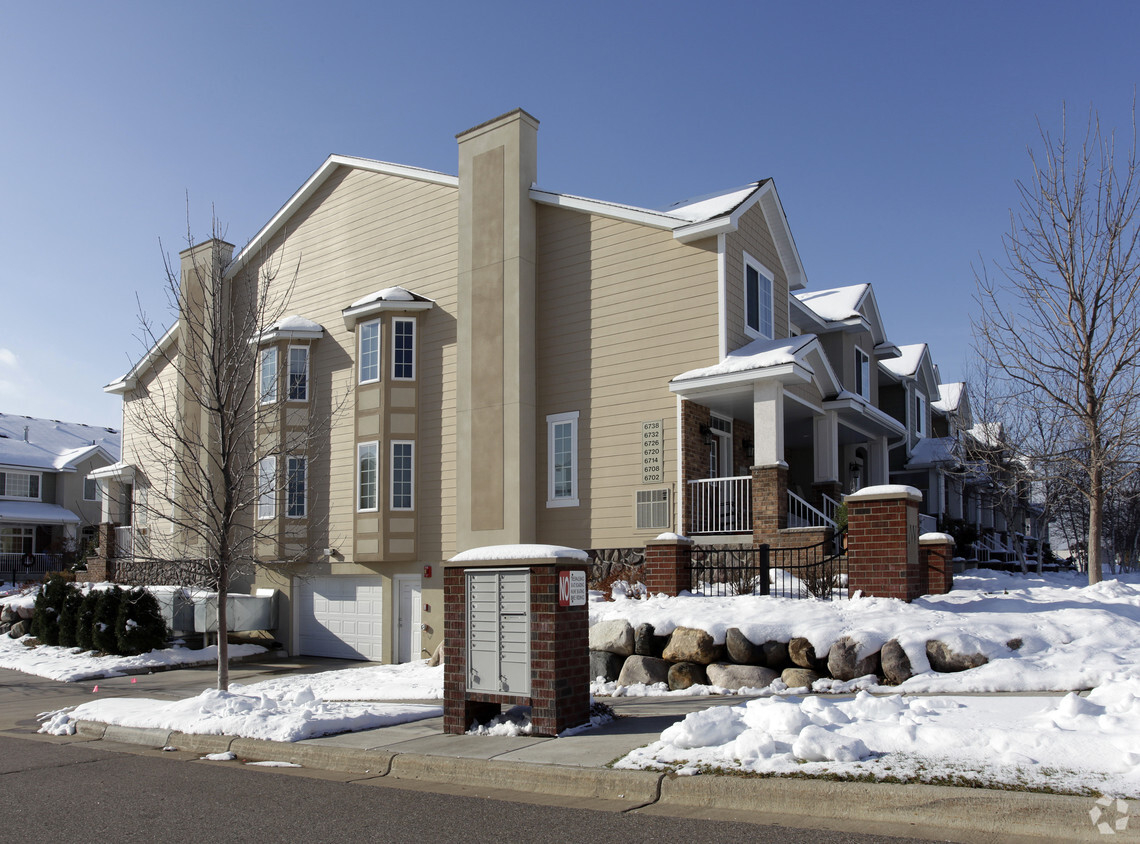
[574, 771]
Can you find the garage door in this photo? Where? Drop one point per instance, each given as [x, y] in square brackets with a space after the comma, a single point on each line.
[341, 617]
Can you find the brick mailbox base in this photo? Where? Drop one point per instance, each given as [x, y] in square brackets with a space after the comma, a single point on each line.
[936, 555]
[559, 641]
[668, 565]
[882, 543]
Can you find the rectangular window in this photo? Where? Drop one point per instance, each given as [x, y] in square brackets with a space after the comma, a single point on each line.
[919, 415]
[17, 540]
[295, 502]
[268, 375]
[90, 489]
[298, 373]
[402, 475]
[20, 485]
[267, 488]
[403, 349]
[562, 460]
[367, 475]
[758, 320]
[369, 351]
[862, 374]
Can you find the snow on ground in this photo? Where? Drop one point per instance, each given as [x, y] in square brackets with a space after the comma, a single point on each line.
[72, 664]
[1040, 633]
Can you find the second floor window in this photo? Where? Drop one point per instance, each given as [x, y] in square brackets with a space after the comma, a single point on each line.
[404, 349]
[369, 352]
[402, 485]
[19, 485]
[295, 499]
[267, 488]
[90, 489]
[862, 374]
[298, 373]
[757, 301]
[919, 415]
[367, 475]
[268, 376]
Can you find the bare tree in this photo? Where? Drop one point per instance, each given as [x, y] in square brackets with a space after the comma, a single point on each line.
[1059, 325]
[220, 453]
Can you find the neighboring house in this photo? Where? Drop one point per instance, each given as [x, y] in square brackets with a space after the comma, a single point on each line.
[48, 504]
[526, 366]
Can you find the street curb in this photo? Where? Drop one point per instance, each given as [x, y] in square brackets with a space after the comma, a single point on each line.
[1002, 815]
[327, 758]
[199, 743]
[635, 787]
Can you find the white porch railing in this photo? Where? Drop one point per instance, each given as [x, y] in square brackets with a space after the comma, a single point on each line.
[802, 514]
[830, 506]
[927, 523]
[123, 546]
[720, 505]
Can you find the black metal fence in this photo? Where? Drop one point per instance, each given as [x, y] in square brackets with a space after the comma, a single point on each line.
[21, 568]
[813, 571]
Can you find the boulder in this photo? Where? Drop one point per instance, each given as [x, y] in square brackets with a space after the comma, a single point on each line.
[741, 649]
[682, 675]
[8, 615]
[895, 662]
[643, 669]
[801, 652]
[776, 655]
[795, 678]
[843, 661]
[25, 613]
[687, 644]
[730, 676]
[20, 628]
[645, 642]
[943, 658]
[614, 636]
[605, 665]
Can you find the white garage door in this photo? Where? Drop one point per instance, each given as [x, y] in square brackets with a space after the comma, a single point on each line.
[340, 617]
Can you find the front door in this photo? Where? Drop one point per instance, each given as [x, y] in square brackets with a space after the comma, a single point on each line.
[408, 618]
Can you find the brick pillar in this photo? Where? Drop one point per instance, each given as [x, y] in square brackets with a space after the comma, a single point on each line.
[101, 566]
[769, 501]
[936, 555]
[668, 565]
[559, 694]
[882, 542]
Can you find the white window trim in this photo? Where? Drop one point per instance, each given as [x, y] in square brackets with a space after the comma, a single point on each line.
[95, 485]
[289, 374]
[304, 488]
[920, 415]
[268, 396]
[360, 351]
[267, 510]
[375, 445]
[551, 421]
[392, 479]
[39, 487]
[770, 277]
[412, 322]
[866, 392]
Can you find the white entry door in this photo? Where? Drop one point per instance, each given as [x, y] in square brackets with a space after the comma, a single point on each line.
[341, 617]
[408, 618]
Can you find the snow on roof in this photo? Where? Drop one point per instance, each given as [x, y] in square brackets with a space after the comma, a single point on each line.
[519, 552]
[388, 294]
[930, 451]
[295, 323]
[708, 206]
[949, 396]
[906, 365]
[836, 304]
[758, 354]
[989, 434]
[52, 444]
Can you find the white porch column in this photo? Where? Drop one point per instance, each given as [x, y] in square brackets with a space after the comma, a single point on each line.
[70, 533]
[879, 472]
[768, 423]
[107, 501]
[826, 448]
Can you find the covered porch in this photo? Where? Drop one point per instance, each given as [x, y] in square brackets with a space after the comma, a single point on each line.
[770, 443]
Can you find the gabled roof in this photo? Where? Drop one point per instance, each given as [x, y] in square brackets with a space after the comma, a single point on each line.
[847, 308]
[159, 350]
[950, 397]
[786, 359]
[933, 451]
[389, 299]
[53, 445]
[291, 328]
[909, 361]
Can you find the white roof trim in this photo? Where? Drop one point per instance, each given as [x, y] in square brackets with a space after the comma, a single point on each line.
[120, 471]
[614, 210]
[159, 349]
[316, 180]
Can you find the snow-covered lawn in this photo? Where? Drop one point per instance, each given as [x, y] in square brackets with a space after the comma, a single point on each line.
[1040, 634]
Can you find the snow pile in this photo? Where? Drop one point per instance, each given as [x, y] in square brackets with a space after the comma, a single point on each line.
[1068, 743]
[1045, 633]
[246, 711]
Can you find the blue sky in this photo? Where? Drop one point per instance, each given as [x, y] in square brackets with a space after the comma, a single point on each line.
[894, 133]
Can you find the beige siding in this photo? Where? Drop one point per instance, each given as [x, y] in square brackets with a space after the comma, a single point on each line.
[754, 237]
[621, 309]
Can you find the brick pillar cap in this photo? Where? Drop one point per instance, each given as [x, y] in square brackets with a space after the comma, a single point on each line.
[885, 492]
[935, 538]
[670, 539]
